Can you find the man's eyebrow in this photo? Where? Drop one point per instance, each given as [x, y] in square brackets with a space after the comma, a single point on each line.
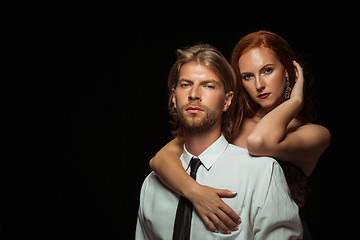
[245, 73]
[202, 81]
[210, 81]
[184, 79]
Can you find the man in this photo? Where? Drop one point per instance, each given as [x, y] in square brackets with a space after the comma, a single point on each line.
[202, 84]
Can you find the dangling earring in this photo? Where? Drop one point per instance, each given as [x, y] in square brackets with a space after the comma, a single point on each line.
[287, 88]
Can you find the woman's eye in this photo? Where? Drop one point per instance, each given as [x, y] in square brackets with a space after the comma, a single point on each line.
[268, 70]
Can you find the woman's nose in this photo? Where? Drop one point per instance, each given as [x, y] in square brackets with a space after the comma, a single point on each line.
[259, 84]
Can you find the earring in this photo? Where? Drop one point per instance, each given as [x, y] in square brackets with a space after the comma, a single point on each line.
[287, 88]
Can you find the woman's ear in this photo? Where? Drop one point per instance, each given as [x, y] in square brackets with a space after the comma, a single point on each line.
[286, 73]
[228, 98]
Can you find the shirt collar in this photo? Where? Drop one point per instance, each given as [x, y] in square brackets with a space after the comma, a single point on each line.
[209, 156]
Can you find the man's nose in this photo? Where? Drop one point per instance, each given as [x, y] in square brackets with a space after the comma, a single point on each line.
[194, 93]
[259, 84]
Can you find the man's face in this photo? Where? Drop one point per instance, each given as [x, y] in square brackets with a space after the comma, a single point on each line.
[200, 98]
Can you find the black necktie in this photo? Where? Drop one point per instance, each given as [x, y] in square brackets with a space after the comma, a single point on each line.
[184, 211]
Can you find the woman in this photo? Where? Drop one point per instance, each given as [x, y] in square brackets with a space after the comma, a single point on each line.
[273, 120]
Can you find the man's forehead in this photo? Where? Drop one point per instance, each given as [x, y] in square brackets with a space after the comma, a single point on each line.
[196, 71]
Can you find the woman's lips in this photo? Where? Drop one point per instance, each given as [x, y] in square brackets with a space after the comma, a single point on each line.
[263, 95]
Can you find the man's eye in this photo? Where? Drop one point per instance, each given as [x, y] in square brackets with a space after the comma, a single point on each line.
[184, 85]
[247, 76]
[210, 86]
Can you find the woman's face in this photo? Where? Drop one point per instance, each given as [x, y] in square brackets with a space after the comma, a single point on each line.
[263, 77]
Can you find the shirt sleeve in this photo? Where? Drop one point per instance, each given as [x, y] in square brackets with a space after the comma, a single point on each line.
[141, 228]
[278, 217]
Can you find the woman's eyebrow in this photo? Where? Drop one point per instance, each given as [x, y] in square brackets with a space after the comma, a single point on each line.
[266, 65]
[261, 69]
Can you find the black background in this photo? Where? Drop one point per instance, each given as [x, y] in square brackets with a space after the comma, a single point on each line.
[111, 117]
[115, 119]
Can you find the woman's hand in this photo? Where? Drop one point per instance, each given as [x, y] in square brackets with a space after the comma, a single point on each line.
[298, 89]
[214, 212]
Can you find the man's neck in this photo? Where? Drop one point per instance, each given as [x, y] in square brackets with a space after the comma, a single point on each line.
[196, 143]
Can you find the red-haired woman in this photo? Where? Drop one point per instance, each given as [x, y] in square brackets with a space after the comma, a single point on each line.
[273, 120]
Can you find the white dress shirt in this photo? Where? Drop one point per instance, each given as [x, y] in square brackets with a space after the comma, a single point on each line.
[263, 198]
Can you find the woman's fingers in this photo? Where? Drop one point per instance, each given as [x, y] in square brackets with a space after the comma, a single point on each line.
[214, 212]
[235, 219]
[223, 193]
[221, 218]
[219, 224]
[298, 70]
[227, 221]
[231, 218]
[209, 225]
[298, 88]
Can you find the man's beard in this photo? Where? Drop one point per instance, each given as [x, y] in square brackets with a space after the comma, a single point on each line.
[197, 123]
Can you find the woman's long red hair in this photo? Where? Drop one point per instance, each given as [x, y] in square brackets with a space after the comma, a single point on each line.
[282, 51]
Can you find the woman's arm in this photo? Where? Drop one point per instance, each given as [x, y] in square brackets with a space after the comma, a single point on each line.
[302, 145]
[214, 212]
[168, 167]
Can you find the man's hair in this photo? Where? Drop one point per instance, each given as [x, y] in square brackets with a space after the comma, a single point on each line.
[210, 57]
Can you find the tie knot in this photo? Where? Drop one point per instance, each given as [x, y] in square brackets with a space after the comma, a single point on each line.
[194, 165]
